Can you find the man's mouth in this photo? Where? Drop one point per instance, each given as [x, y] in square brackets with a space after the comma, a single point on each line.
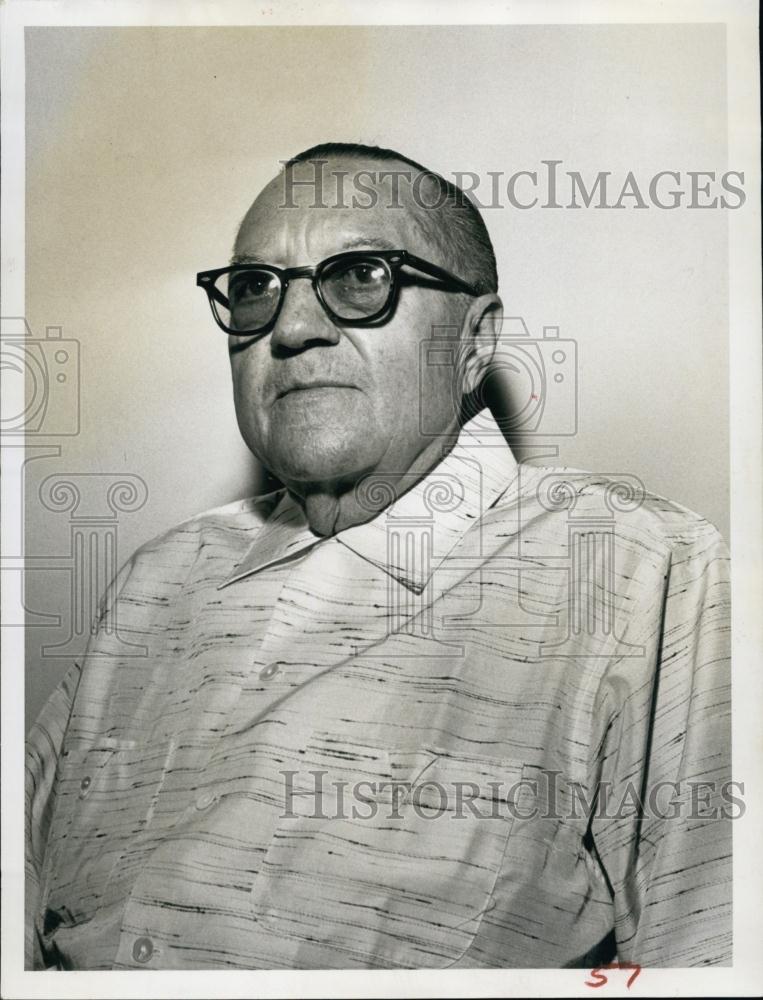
[310, 386]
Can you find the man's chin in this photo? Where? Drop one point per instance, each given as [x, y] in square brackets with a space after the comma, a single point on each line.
[322, 437]
[336, 463]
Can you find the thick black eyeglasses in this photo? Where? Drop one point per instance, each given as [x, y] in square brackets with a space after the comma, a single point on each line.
[356, 288]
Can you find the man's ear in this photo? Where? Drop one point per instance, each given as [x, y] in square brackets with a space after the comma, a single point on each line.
[479, 339]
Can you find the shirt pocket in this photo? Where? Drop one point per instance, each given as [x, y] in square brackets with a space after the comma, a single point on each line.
[397, 872]
[105, 796]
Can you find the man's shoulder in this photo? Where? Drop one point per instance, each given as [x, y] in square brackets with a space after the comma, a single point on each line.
[619, 501]
[233, 524]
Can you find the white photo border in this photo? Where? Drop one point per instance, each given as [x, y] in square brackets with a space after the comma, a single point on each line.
[746, 427]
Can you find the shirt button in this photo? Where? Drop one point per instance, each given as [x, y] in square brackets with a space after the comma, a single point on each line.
[269, 671]
[85, 784]
[205, 800]
[142, 949]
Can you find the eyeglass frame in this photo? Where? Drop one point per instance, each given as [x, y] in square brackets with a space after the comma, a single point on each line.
[394, 259]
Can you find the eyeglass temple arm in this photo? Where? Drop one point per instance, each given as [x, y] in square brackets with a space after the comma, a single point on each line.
[439, 272]
[205, 280]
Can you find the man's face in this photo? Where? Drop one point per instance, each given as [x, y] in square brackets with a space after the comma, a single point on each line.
[368, 418]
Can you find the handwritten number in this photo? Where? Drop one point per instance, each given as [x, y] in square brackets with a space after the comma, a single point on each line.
[597, 974]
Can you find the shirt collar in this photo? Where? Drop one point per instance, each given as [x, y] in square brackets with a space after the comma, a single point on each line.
[443, 505]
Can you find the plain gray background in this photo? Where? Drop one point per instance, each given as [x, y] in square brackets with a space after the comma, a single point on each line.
[145, 146]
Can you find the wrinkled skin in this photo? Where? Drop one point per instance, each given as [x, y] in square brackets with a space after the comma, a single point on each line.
[322, 439]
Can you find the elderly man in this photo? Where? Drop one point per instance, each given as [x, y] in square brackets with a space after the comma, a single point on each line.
[422, 707]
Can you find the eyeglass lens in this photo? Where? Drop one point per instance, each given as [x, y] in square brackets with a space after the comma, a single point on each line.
[253, 295]
[352, 290]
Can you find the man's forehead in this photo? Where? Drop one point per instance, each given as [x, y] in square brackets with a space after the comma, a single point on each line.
[342, 204]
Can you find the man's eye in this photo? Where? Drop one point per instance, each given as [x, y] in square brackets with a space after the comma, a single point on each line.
[251, 285]
[363, 275]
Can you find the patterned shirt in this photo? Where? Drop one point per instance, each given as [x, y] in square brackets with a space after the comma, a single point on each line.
[489, 727]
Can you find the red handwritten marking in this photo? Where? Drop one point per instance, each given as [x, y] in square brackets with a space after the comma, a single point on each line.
[602, 979]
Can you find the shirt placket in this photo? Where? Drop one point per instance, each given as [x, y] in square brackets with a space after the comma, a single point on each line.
[330, 606]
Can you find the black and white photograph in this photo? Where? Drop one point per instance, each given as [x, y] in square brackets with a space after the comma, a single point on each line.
[381, 467]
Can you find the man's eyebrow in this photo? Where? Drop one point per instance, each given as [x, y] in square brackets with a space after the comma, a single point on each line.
[246, 258]
[351, 243]
[374, 242]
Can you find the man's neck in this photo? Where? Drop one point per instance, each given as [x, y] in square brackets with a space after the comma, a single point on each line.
[331, 507]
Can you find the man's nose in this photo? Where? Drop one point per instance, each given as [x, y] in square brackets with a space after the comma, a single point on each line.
[302, 321]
